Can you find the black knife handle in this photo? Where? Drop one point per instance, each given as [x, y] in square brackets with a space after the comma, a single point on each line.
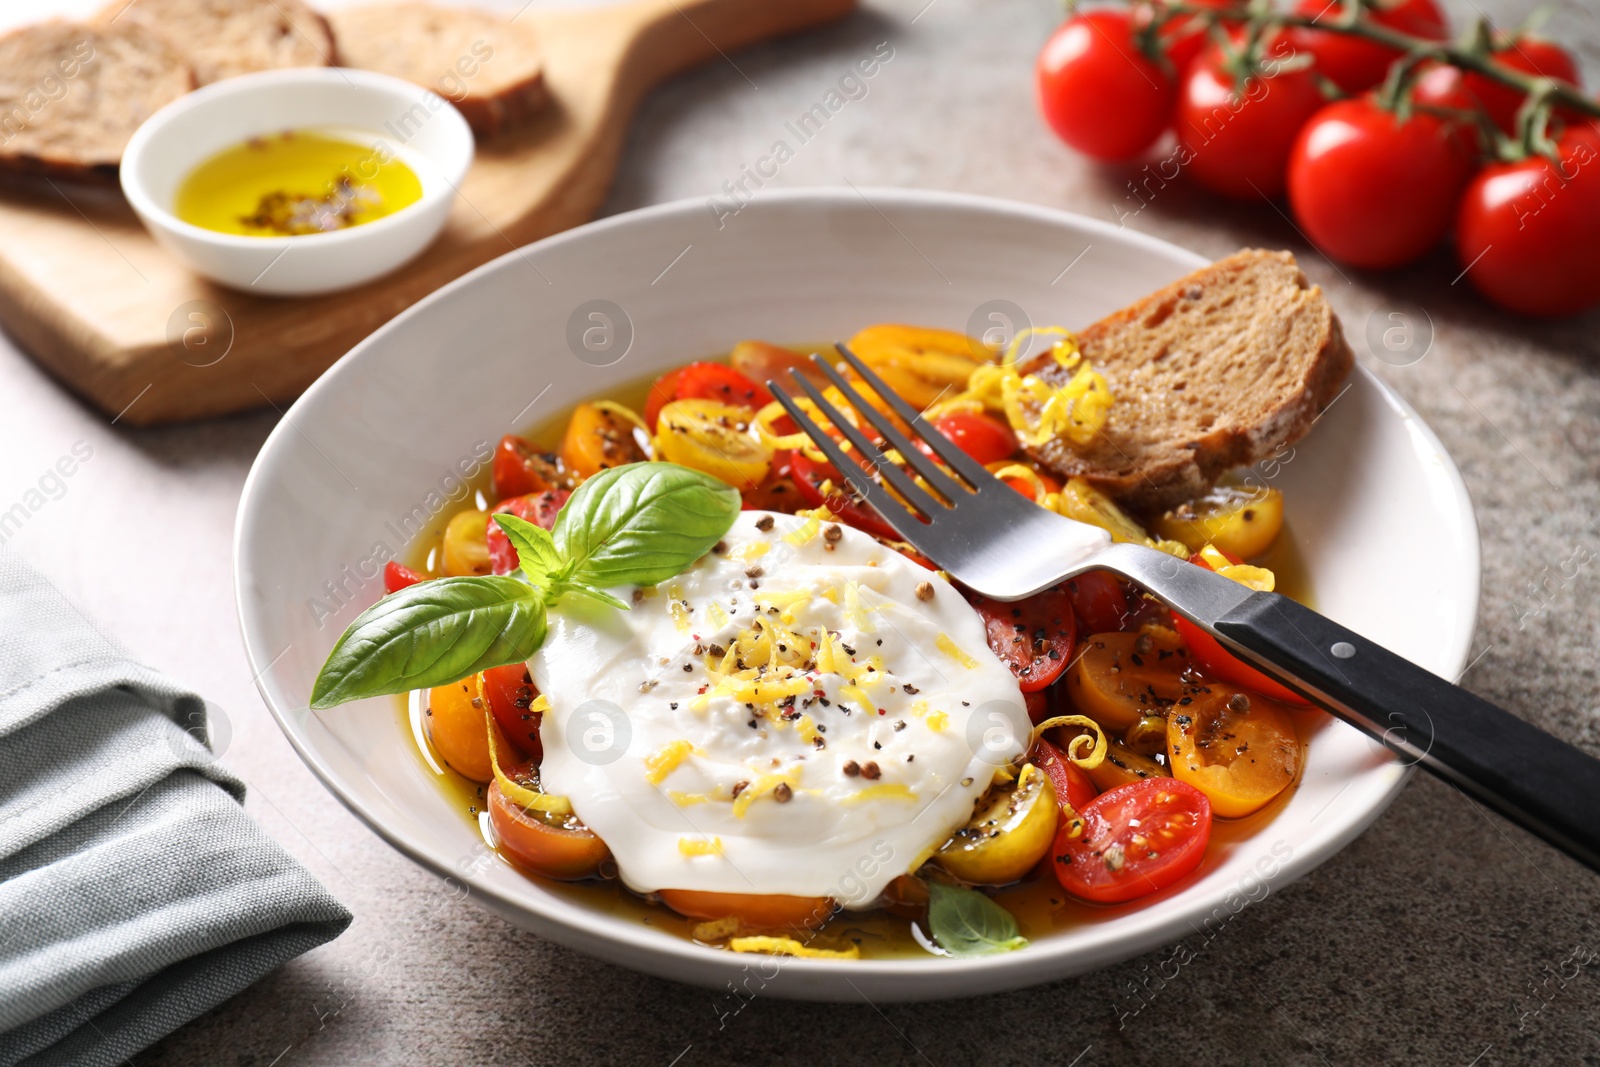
[1539, 782]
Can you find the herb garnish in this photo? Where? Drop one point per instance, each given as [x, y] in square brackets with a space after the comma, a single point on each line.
[965, 922]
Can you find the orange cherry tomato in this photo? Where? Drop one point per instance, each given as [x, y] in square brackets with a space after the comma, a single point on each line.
[563, 849]
[598, 438]
[1120, 677]
[764, 911]
[1239, 750]
[454, 717]
[1218, 662]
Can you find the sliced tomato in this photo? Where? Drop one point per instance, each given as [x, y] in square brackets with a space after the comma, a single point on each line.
[1027, 488]
[809, 476]
[777, 491]
[1099, 600]
[510, 691]
[1034, 636]
[563, 849]
[1239, 750]
[1218, 662]
[521, 468]
[1133, 840]
[538, 508]
[984, 439]
[720, 382]
[662, 393]
[762, 911]
[1072, 782]
[396, 576]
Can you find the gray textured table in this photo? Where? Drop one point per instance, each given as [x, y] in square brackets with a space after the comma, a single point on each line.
[1441, 937]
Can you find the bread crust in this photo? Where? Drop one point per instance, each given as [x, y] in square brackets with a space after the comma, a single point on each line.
[225, 38]
[1215, 371]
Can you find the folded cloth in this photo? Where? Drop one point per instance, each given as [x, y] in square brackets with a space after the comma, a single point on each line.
[135, 893]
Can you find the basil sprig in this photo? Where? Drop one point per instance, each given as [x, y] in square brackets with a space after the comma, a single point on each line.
[635, 525]
[965, 922]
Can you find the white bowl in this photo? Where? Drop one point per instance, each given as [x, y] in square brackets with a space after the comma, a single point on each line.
[1375, 506]
[423, 129]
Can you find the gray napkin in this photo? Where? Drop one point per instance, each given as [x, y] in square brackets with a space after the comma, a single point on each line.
[135, 893]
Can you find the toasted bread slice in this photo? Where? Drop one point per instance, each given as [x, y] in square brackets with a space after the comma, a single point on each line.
[1213, 372]
[72, 94]
[222, 38]
[484, 64]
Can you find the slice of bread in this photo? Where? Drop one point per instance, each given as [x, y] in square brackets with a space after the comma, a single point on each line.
[484, 64]
[72, 94]
[1213, 372]
[222, 38]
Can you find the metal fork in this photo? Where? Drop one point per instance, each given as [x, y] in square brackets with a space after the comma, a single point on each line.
[996, 542]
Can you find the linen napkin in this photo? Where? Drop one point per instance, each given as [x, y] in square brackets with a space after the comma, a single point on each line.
[135, 893]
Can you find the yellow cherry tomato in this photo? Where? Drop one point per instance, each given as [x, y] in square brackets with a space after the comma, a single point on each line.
[1118, 678]
[1242, 521]
[466, 544]
[715, 438]
[920, 364]
[600, 436]
[456, 726]
[1239, 749]
[1008, 836]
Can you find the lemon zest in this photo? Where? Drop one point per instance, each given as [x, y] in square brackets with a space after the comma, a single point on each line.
[515, 791]
[788, 946]
[1095, 740]
[665, 759]
[954, 651]
[699, 846]
[1258, 578]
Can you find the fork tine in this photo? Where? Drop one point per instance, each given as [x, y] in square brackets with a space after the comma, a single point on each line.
[895, 513]
[913, 494]
[957, 460]
[940, 480]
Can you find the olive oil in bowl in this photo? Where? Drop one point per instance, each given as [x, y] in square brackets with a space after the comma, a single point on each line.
[296, 183]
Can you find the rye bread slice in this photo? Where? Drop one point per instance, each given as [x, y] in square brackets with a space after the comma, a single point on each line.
[1213, 372]
[222, 38]
[72, 94]
[486, 65]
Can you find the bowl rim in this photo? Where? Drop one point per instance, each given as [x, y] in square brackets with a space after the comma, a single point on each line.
[266, 82]
[574, 925]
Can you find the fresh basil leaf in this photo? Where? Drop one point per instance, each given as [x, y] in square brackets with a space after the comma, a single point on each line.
[642, 524]
[433, 633]
[597, 594]
[536, 552]
[965, 922]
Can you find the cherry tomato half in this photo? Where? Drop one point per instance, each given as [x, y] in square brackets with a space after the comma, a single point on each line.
[704, 381]
[762, 911]
[1529, 232]
[1099, 601]
[396, 576]
[1235, 139]
[1098, 91]
[1355, 64]
[808, 477]
[1034, 637]
[562, 849]
[984, 439]
[1373, 191]
[521, 468]
[510, 691]
[538, 508]
[1135, 840]
[1218, 662]
[1073, 785]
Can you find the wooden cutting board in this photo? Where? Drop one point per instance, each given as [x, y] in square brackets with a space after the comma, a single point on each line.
[96, 302]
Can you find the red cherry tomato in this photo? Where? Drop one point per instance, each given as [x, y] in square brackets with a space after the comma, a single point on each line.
[808, 477]
[1098, 91]
[1136, 839]
[510, 691]
[984, 439]
[563, 849]
[396, 576]
[1529, 232]
[1235, 139]
[1372, 191]
[521, 468]
[538, 508]
[1183, 38]
[720, 382]
[663, 392]
[1530, 55]
[1099, 601]
[1355, 64]
[1026, 488]
[1034, 637]
[1213, 659]
[1073, 785]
